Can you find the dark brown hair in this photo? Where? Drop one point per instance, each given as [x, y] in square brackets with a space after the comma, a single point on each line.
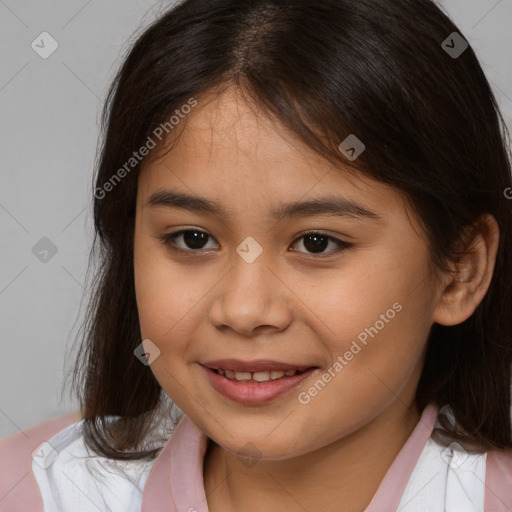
[324, 70]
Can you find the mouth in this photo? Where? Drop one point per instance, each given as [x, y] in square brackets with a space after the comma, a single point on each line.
[255, 382]
[264, 376]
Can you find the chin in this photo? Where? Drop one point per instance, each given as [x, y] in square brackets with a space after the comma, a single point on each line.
[260, 447]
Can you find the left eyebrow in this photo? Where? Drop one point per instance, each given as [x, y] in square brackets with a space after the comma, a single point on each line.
[329, 205]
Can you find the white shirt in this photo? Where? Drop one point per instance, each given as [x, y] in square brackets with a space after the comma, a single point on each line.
[444, 479]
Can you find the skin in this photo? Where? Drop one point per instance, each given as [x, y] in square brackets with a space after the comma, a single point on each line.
[290, 305]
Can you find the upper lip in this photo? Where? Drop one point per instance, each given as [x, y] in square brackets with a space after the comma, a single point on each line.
[259, 365]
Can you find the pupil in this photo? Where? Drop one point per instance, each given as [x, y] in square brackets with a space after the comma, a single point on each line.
[195, 239]
[317, 242]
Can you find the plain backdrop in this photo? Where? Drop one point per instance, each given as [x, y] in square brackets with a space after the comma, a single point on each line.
[49, 125]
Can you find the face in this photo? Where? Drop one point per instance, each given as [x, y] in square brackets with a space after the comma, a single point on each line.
[345, 299]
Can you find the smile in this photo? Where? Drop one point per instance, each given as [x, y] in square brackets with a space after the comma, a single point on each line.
[256, 376]
[255, 382]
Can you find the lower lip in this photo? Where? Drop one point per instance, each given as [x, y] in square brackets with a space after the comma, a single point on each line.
[250, 392]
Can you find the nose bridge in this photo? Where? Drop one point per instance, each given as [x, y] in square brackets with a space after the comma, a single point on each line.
[248, 298]
[249, 276]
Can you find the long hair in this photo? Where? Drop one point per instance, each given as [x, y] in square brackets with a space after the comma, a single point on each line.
[377, 69]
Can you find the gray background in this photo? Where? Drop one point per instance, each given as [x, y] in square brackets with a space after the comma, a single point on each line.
[49, 127]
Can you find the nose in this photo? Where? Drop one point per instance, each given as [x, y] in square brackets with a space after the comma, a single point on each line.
[252, 298]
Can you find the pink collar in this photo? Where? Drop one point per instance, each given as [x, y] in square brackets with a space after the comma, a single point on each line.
[175, 482]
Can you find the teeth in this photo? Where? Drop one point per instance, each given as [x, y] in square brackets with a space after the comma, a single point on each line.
[242, 376]
[257, 376]
[261, 376]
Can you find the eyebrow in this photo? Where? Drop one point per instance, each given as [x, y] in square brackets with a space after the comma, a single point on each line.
[329, 205]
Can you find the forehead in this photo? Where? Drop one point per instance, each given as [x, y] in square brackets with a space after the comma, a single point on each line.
[228, 150]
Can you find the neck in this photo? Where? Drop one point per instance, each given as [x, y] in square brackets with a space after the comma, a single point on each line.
[348, 471]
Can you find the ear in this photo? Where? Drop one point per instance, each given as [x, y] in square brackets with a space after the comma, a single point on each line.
[462, 293]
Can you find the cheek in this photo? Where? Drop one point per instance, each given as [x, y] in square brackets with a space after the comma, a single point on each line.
[162, 289]
[366, 376]
[378, 315]
[163, 301]
[171, 302]
[354, 299]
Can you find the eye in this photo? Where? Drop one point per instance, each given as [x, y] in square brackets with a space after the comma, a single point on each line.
[317, 242]
[194, 240]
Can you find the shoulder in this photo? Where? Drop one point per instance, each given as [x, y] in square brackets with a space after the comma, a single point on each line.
[50, 467]
[16, 450]
[73, 477]
[491, 470]
[17, 482]
[45, 429]
[500, 461]
[498, 480]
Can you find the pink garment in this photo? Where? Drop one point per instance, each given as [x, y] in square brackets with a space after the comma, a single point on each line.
[19, 491]
[175, 482]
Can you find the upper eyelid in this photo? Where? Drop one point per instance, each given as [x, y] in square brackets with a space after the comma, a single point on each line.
[300, 235]
[339, 242]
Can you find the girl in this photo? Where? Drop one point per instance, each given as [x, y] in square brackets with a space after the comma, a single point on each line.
[304, 220]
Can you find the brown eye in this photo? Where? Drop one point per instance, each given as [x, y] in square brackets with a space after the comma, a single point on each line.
[193, 240]
[316, 243]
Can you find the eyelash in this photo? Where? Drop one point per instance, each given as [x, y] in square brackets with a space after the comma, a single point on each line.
[168, 241]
